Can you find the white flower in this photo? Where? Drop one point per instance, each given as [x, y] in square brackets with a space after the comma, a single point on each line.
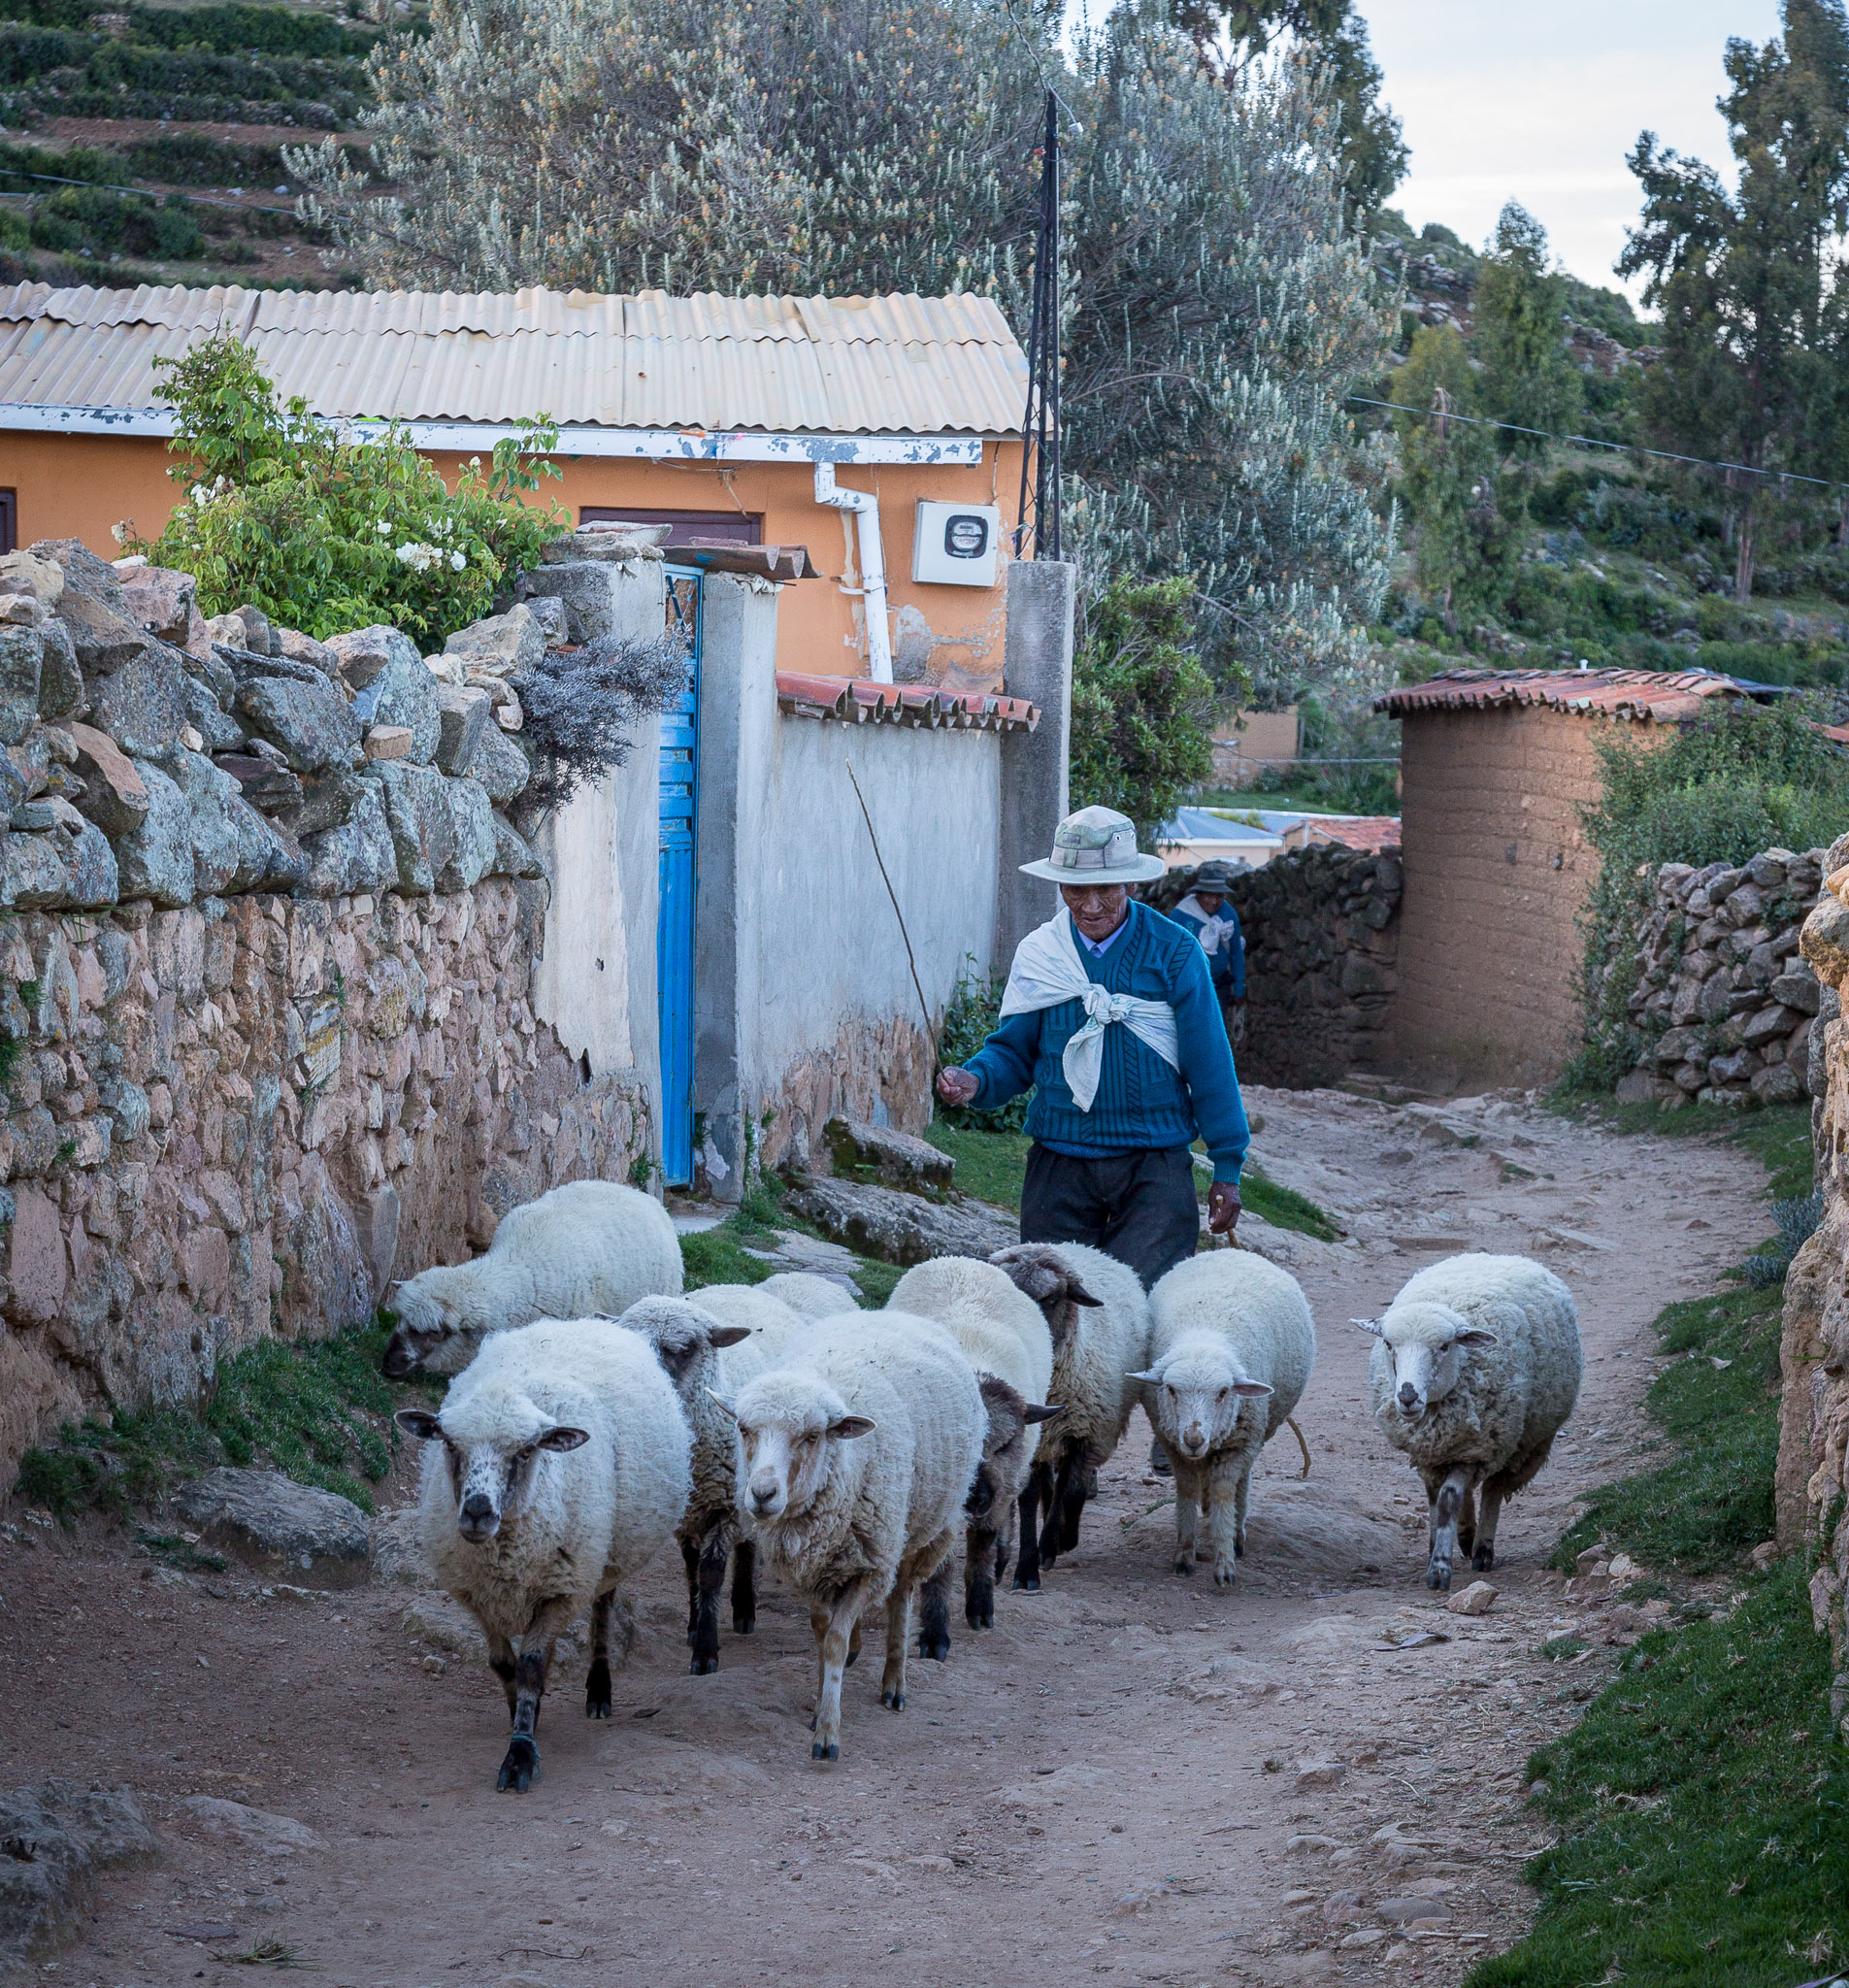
[383, 527]
[457, 562]
[420, 558]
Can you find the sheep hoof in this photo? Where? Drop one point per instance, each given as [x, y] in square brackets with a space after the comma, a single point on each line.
[893, 1700]
[935, 1647]
[742, 1625]
[1183, 1562]
[1438, 1578]
[703, 1666]
[1239, 1549]
[1030, 1585]
[831, 1751]
[597, 1690]
[1483, 1559]
[520, 1768]
[980, 1616]
[1224, 1575]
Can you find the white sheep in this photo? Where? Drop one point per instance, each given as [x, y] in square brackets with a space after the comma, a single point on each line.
[688, 1340]
[1005, 1338]
[554, 1472]
[588, 1248]
[1097, 1316]
[855, 1455]
[815, 1297]
[1475, 1370]
[1231, 1348]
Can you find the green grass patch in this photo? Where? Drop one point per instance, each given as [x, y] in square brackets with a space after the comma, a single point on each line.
[1704, 1814]
[1712, 1501]
[990, 1165]
[724, 1255]
[1282, 1206]
[318, 1411]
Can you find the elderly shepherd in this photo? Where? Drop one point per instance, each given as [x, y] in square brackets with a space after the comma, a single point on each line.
[1111, 1014]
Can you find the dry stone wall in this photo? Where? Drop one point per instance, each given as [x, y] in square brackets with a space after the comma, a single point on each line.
[1322, 937]
[1725, 994]
[267, 939]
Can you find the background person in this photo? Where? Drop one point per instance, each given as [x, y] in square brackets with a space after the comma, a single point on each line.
[1208, 913]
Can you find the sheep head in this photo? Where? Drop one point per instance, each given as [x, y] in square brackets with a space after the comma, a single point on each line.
[1000, 1474]
[492, 1456]
[790, 1428]
[684, 1339]
[1196, 1396]
[426, 1317]
[1038, 1272]
[1423, 1347]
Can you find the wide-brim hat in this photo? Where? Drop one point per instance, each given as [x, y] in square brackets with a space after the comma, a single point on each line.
[1212, 876]
[1097, 846]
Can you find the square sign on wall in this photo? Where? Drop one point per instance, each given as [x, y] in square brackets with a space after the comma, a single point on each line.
[955, 544]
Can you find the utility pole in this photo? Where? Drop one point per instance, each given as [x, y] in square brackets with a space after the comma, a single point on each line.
[1040, 426]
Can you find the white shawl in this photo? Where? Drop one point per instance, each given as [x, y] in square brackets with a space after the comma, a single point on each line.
[1047, 971]
[1213, 927]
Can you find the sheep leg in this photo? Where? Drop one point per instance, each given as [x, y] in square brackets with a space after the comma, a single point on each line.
[979, 1584]
[745, 1593]
[1189, 1488]
[1059, 1492]
[520, 1768]
[853, 1646]
[711, 1571]
[597, 1677]
[1484, 1557]
[690, 1560]
[833, 1626]
[501, 1661]
[1466, 1521]
[1226, 1492]
[1077, 1485]
[934, 1620]
[892, 1680]
[1027, 1568]
[1446, 1507]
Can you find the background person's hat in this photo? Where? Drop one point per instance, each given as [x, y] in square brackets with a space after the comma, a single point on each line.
[1214, 876]
[1097, 846]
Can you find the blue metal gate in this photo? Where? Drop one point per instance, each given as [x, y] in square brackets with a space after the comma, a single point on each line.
[674, 929]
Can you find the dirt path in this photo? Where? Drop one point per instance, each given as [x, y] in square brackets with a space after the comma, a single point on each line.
[1132, 1777]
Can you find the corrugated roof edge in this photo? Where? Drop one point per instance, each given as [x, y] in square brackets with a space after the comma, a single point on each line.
[1641, 696]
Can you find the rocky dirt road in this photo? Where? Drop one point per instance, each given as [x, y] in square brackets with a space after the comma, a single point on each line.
[1133, 1777]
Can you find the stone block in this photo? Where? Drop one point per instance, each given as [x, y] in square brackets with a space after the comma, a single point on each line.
[1645, 1087]
[115, 795]
[312, 723]
[314, 1539]
[1734, 1068]
[42, 578]
[216, 730]
[500, 765]
[587, 590]
[513, 855]
[472, 819]
[103, 637]
[366, 654]
[266, 785]
[61, 691]
[37, 1265]
[304, 649]
[388, 741]
[463, 717]
[357, 855]
[21, 654]
[894, 1157]
[260, 637]
[234, 848]
[1768, 1025]
[1778, 1083]
[1797, 990]
[326, 804]
[141, 704]
[1676, 1045]
[66, 865]
[901, 1228]
[422, 826]
[58, 1834]
[1478, 1599]
[502, 645]
[153, 856]
[160, 601]
[405, 693]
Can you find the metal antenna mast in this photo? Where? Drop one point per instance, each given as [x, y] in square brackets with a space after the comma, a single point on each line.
[1040, 426]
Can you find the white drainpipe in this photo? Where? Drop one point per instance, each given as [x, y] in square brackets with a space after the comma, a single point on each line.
[872, 565]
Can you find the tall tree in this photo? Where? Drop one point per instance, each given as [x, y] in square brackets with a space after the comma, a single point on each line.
[1527, 376]
[1745, 281]
[1373, 153]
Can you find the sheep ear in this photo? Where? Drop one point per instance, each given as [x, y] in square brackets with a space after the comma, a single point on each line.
[420, 1423]
[563, 1438]
[1475, 1336]
[1372, 1325]
[847, 1427]
[1150, 1374]
[1043, 1411]
[1256, 1389]
[713, 1394]
[1078, 1294]
[728, 1335]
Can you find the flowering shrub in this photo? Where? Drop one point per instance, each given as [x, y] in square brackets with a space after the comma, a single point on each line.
[325, 528]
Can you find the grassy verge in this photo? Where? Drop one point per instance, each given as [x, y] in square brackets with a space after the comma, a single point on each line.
[1283, 1206]
[1779, 1137]
[724, 1255]
[318, 1411]
[1701, 1806]
[990, 1165]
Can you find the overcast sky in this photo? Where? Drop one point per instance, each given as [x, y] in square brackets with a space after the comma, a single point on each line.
[1540, 103]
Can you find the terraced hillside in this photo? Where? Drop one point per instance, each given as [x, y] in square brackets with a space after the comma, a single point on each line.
[145, 146]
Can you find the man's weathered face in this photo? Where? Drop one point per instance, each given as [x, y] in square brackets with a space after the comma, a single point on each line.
[1097, 908]
[1210, 902]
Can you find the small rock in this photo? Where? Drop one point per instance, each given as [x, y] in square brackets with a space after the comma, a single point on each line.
[1623, 1568]
[1410, 1912]
[1476, 1600]
[1354, 1942]
[1594, 1560]
[54, 1837]
[315, 1537]
[279, 1835]
[463, 715]
[1765, 1553]
[894, 1157]
[1319, 1774]
[1344, 1909]
[192, 738]
[901, 1228]
[388, 741]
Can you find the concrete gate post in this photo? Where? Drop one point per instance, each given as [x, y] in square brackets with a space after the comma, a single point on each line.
[1038, 665]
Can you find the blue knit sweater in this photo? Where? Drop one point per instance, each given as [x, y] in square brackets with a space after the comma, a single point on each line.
[1228, 964]
[1140, 1102]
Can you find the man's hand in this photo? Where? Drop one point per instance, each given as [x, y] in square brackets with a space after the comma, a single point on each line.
[957, 1086]
[1223, 1207]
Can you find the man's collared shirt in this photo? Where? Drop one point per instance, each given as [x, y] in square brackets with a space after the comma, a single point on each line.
[1098, 947]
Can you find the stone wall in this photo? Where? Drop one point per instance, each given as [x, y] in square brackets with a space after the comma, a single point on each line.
[1322, 937]
[1724, 991]
[1813, 1448]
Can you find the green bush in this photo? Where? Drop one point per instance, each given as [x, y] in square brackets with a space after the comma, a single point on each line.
[325, 533]
[1735, 782]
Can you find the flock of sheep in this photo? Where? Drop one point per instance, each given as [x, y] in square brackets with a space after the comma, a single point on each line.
[596, 1413]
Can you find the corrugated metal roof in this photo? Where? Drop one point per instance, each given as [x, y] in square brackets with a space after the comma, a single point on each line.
[1649, 697]
[806, 365]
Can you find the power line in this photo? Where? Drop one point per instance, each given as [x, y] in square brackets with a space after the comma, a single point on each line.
[1594, 442]
[104, 186]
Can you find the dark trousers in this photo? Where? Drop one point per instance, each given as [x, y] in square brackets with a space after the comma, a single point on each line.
[1141, 1208]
